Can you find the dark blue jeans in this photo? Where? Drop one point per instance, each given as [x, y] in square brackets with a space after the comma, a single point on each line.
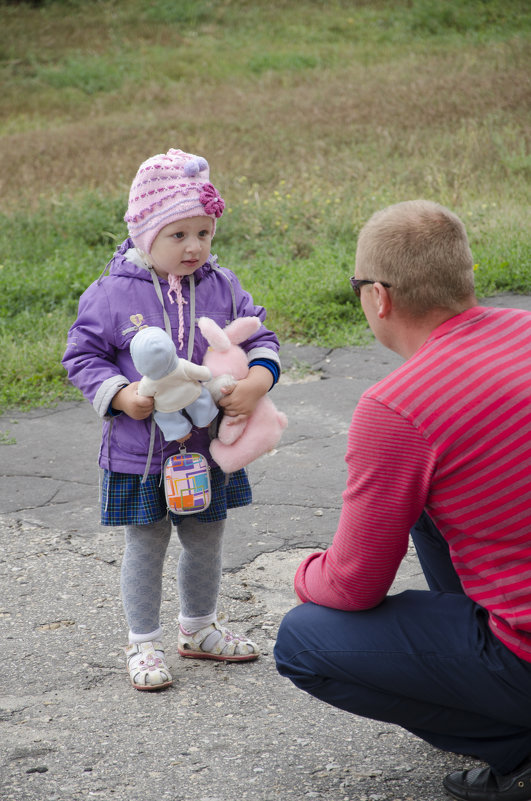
[425, 660]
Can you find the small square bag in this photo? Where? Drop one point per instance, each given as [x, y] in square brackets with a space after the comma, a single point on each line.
[187, 483]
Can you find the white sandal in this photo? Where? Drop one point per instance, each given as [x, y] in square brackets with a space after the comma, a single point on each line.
[146, 666]
[227, 647]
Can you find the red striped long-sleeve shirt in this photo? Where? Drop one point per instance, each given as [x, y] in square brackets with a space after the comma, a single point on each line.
[448, 431]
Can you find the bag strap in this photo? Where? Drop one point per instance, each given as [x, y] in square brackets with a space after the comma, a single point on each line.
[167, 327]
[218, 269]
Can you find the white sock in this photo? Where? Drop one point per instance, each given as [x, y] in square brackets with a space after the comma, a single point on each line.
[152, 636]
[192, 624]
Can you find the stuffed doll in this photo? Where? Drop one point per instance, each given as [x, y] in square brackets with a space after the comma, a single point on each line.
[173, 383]
[238, 444]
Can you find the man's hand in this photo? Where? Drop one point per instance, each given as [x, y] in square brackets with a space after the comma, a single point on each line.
[134, 405]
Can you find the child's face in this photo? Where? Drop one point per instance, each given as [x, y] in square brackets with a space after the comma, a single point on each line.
[181, 247]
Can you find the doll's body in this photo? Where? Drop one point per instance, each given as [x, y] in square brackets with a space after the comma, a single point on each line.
[173, 383]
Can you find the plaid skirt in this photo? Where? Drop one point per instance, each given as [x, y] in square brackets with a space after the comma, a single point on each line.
[125, 501]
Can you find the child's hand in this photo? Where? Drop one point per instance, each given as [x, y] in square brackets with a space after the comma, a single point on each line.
[240, 400]
[134, 405]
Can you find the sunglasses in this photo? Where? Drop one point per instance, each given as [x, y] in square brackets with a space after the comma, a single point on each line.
[357, 283]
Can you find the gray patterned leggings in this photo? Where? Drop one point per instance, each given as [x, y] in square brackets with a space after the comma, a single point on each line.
[198, 572]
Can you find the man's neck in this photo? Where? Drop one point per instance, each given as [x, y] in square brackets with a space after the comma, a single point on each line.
[411, 333]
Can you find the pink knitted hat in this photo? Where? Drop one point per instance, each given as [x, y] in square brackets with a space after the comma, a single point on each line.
[168, 188]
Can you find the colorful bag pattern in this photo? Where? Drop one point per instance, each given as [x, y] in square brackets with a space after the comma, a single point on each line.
[187, 483]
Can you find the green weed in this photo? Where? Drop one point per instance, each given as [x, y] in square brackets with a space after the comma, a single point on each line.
[90, 74]
[189, 13]
[6, 438]
[281, 62]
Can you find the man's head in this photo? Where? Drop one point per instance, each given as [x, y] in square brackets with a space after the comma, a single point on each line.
[420, 250]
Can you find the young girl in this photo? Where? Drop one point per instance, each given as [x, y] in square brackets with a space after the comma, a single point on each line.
[165, 276]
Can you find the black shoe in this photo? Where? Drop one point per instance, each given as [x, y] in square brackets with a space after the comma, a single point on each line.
[482, 784]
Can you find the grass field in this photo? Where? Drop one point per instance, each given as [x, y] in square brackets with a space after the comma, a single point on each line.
[312, 116]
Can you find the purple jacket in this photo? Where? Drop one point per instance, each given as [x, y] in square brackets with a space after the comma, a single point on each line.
[110, 313]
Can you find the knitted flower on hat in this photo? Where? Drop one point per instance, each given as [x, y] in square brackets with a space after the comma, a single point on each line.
[213, 203]
[169, 187]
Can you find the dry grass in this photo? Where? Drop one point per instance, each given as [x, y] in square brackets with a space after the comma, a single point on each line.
[444, 112]
[426, 117]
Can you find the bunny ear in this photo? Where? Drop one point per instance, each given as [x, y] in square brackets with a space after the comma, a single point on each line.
[214, 335]
[242, 328]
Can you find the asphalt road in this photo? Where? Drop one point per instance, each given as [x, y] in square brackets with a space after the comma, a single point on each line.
[71, 725]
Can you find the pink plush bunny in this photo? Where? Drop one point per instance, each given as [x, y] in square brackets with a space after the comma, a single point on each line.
[238, 444]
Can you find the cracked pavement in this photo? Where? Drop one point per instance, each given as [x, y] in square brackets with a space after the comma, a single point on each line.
[73, 728]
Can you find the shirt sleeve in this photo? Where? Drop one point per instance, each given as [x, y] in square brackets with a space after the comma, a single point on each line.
[390, 466]
[273, 367]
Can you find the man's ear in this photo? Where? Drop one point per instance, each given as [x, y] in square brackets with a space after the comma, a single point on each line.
[383, 300]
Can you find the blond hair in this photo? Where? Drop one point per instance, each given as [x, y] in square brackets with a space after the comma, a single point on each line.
[421, 249]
